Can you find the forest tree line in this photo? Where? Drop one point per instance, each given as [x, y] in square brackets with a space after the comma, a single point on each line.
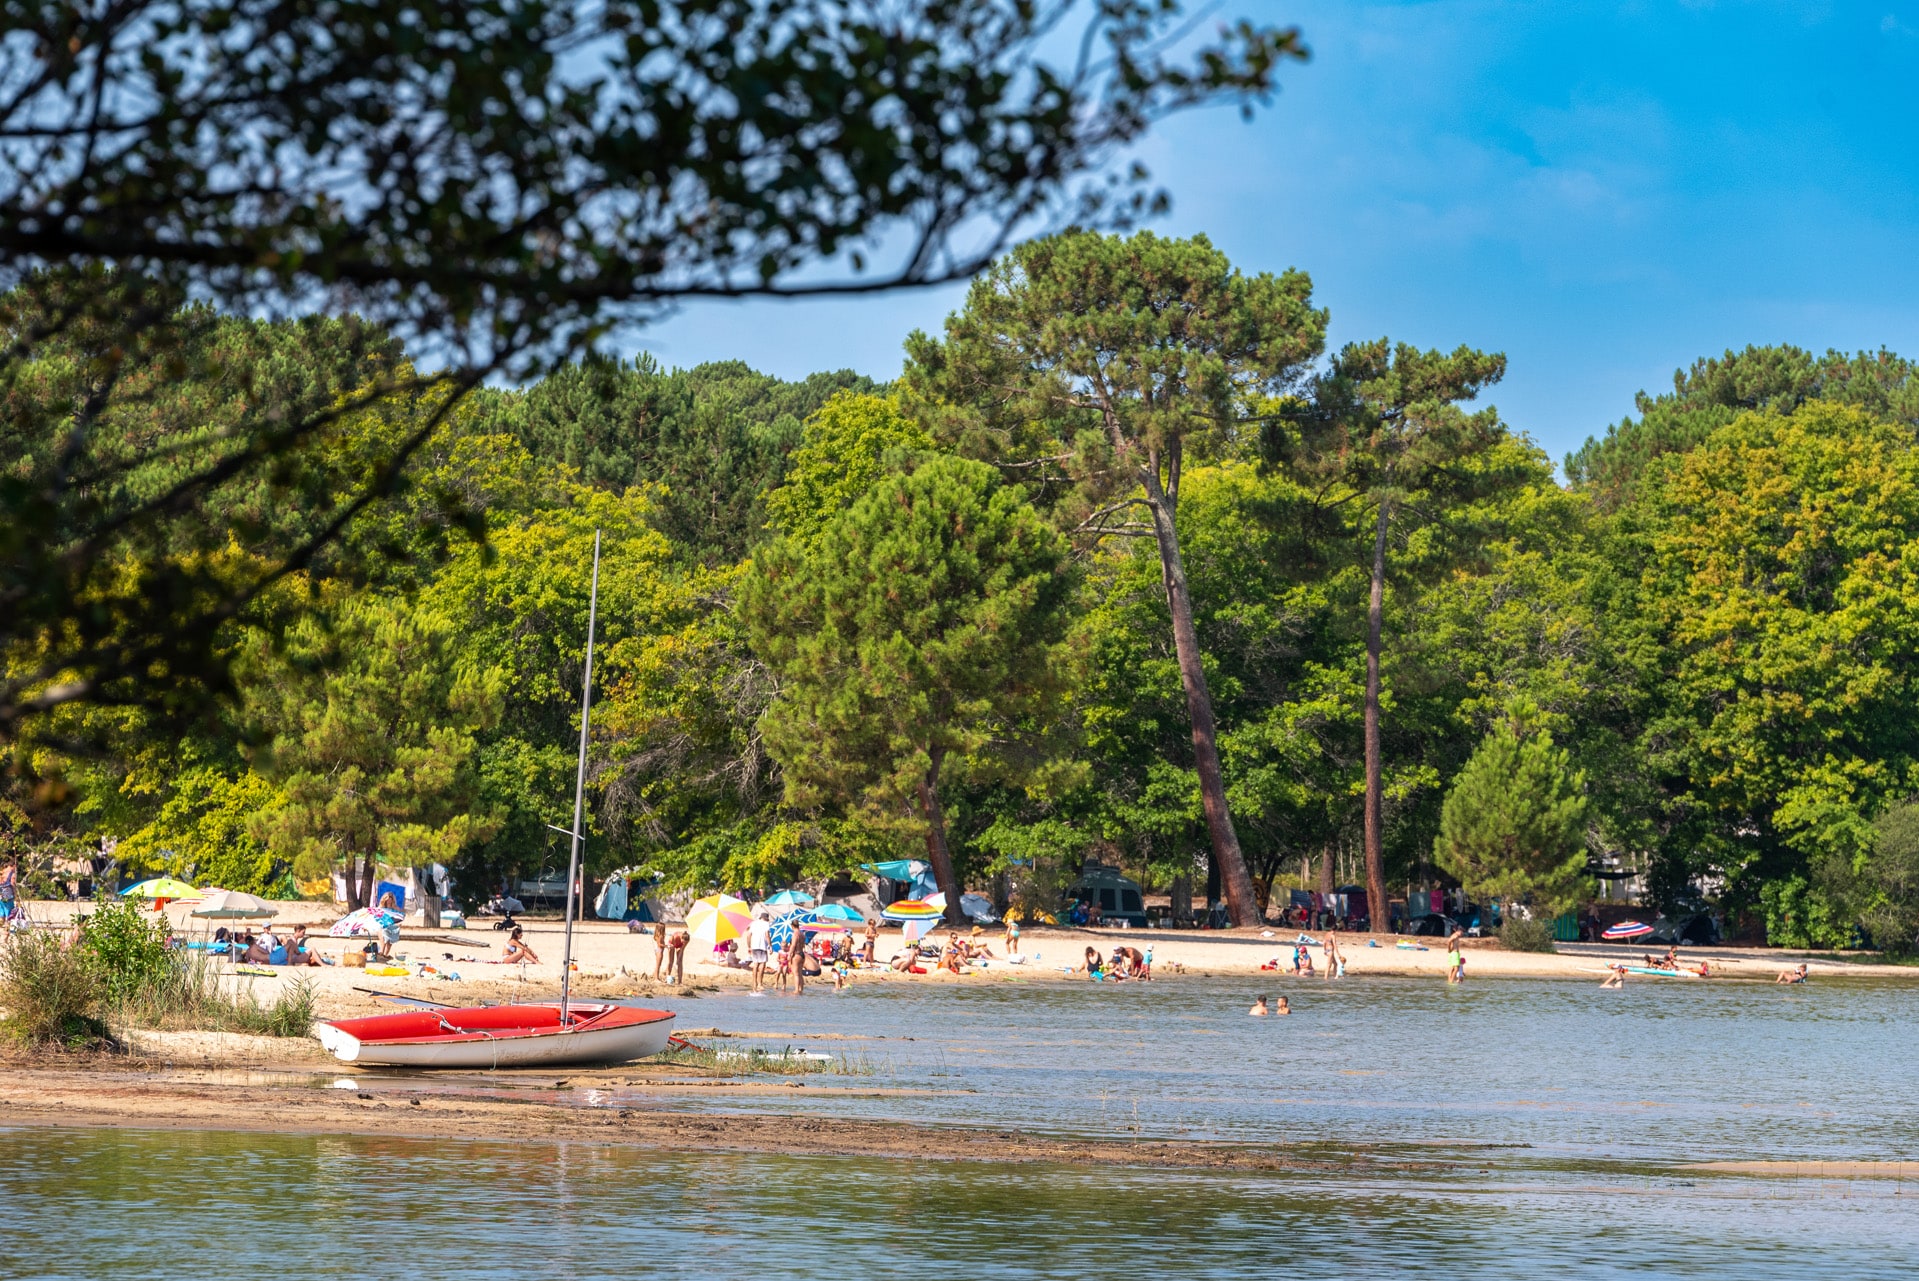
[1125, 564]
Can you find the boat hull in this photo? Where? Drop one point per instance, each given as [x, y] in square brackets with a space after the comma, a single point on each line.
[500, 1036]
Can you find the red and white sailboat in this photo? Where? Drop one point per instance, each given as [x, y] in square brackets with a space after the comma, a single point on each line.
[496, 1036]
[527, 1035]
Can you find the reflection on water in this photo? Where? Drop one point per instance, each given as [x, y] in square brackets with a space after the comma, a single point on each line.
[87, 1204]
[1548, 1125]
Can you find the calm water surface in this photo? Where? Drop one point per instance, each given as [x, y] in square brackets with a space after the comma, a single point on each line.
[1562, 1113]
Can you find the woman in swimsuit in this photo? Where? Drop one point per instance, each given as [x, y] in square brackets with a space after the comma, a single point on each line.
[517, 951]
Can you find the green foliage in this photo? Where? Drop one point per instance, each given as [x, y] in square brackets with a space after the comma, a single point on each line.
[1801, 914]
[374, 740]
[920, 634]
[1880, 888]
[203, 832]
[709, 442]
[1527, 933]
[843, 453]
[1513, 825]
[1779, 582]
[52, 995]
[128, 948]
[1717, 390]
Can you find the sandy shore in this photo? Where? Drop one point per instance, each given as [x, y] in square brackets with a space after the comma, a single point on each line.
[610, 961]
[288, 1091]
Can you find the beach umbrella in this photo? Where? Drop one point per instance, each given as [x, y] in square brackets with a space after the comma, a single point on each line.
[161, 890]
[914, 931]
[160, 887]
[232, 905]
[1626, 931]
[719, 917]
[908, 909]
[790, 898]
[838, 912]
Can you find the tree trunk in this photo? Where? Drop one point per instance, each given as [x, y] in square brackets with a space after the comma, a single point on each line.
[936, 852]
[1375, 783]
[1326, 870]
[1182, 897]
[359, 882]
[1237, 882]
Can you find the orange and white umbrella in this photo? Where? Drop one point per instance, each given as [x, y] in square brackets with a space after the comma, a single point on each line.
[719, 917]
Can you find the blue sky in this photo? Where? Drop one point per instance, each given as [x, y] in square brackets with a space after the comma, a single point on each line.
[1602, 191]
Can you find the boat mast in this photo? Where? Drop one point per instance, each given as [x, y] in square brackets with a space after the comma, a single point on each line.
[579, 785]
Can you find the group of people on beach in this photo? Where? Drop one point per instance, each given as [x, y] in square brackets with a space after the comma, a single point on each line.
[1125, 963]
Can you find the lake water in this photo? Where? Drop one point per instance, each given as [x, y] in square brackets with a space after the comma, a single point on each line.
[1563, 1114]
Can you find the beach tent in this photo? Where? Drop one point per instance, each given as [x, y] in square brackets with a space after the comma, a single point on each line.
[917, 875]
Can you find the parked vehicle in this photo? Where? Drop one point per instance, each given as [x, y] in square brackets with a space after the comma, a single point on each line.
[1119, 898]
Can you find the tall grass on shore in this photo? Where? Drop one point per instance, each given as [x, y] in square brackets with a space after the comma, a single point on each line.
[51, 994]
[191, 994]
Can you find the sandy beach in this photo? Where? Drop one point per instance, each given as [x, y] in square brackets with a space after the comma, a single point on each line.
[611, 961]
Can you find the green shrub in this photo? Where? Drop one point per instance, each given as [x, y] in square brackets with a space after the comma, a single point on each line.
[52, 994]
[1527, 934]
[128, 949]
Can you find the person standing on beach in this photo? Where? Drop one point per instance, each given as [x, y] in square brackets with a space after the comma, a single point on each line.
[1455, 957]
[1332, 953]
[1012, 937]
[795, 943]
[659, 949]
[759, 938]
[872, 940]
[676, 956]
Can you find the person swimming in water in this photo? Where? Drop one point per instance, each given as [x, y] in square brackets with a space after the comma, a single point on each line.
[1282, 1007]
[1615, 976]
[1259, 1010]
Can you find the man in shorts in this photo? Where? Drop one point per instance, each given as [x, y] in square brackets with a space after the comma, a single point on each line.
[759, 939]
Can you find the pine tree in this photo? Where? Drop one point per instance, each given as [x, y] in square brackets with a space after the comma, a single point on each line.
[1513, 826]
[918, 636]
